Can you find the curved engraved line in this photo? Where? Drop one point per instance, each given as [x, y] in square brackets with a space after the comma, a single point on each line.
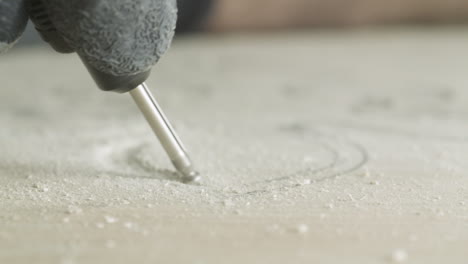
[335, 154]
[130, 158]
[310, 172]
[364, 159]
[138, 168]
[334, 159]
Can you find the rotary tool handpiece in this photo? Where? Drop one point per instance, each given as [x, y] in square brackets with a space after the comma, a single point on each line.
[13, 20]
[118, 41]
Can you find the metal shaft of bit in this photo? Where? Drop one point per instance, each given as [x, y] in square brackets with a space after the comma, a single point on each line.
[164, 132]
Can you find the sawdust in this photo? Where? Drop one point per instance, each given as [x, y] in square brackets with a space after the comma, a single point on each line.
[310, 150]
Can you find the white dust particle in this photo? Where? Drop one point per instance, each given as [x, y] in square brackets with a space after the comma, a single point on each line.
[40, 187]
[308, 159]
[302, 228]
[100, 225]
[339, 231]
[307, 182]
[228, 203]
[375, 183]
[103, 176]
[413, 238]
[440, 212]
[110, 244]
[330, 206]
[129, 225]
[366, 173]
[66, 261]
[273, 228]
[238, 212]
[399, 256]
[71, 209]
[66, 220]
[110, 219]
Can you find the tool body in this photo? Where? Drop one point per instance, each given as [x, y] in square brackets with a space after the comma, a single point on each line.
[118, 41]
[13, 20]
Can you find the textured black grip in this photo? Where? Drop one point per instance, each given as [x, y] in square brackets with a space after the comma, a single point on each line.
[13, 20]
[39, 15]
[116, 37]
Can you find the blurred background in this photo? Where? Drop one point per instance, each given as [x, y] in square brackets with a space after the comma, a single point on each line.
[222, 16]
